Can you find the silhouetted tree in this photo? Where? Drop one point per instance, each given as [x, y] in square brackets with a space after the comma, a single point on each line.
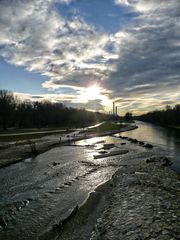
[26, 114]
[128, 117]
[7, 108]
[168, 116]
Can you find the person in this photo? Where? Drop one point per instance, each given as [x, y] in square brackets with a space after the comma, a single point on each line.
[60, 139]
[74, 137]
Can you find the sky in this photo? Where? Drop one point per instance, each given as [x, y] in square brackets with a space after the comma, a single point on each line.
[90, 53]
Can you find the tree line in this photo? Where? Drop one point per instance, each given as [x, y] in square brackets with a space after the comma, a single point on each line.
[168, 116]
[15, 113]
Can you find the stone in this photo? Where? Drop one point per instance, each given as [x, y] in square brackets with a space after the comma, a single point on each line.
[166, 161]
[3, 222]
[148, 145]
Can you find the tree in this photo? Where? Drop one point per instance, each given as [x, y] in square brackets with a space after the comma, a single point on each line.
[27, 114]
[128, 117]
[168, 116]
[23, 114]
[7, 107]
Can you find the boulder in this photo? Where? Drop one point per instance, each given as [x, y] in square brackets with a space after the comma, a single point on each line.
[3, 223]
[166, 161]
[148, 145]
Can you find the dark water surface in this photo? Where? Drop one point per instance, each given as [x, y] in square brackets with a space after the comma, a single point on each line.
[37, 193]
[166, 138]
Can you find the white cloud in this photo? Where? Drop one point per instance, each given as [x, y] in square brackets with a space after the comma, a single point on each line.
[143, 60]
[34, 35]
[63, 98]
[149, 53]
[67, 100]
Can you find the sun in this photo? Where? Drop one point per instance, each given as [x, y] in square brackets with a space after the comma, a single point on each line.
[91, 93]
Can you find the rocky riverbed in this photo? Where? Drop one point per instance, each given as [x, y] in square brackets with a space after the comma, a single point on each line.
[141, 201]
[144, 203]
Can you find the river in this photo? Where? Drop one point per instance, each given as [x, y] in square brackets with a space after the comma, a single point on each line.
[37, 193]
[166, 138]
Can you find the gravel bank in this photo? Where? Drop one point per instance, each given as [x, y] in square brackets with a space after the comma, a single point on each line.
[144, 203]
[140, 202]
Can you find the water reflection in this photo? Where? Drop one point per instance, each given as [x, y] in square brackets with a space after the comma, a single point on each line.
[166, 138]
[48, 187]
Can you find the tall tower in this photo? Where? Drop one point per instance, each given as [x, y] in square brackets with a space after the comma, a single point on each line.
[113, 108]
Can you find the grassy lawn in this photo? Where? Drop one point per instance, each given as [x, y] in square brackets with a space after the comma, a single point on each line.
[105, 127]
[28, 136]
[27, 130]
[21, 138]
[174, 126]
[38, 133]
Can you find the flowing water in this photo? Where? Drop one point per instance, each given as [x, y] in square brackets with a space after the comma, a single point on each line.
[37, 193]
[166, 138]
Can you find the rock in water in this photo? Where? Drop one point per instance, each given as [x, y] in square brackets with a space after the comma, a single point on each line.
[148, 145]
[3, 222]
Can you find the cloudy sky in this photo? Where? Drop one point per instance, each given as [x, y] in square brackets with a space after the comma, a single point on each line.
[89, 53]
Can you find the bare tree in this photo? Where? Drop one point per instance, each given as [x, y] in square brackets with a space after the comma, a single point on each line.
[7, 107]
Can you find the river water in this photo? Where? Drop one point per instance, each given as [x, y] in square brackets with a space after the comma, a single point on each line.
[166, 138]
[37, 193]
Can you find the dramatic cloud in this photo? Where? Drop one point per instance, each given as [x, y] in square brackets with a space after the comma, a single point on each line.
[138, 66]
[148, 67]
[45, 97]
[33, 34]
[68, 100]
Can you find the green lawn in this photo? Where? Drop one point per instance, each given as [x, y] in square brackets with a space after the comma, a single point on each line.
[174, 126]
[26, 130]
[35, 135]
[105, 127]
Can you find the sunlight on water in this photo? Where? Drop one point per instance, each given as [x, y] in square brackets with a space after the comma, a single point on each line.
[166, 138]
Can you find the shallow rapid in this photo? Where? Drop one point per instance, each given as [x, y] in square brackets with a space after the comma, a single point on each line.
[36, 194]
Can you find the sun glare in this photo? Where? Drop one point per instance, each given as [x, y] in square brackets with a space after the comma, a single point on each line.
[91, 93]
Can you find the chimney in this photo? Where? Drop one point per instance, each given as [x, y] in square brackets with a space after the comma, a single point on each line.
[113, 107]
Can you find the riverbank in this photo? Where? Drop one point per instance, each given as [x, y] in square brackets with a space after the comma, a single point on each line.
[55, 187]
[144, 204]
[80, 223]
[14, 152]
[141, 201]
[173, 127]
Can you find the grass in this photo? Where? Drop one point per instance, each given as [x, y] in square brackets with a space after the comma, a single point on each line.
[34, 135]
[174, 126]
[27, 130]
[105, 127]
